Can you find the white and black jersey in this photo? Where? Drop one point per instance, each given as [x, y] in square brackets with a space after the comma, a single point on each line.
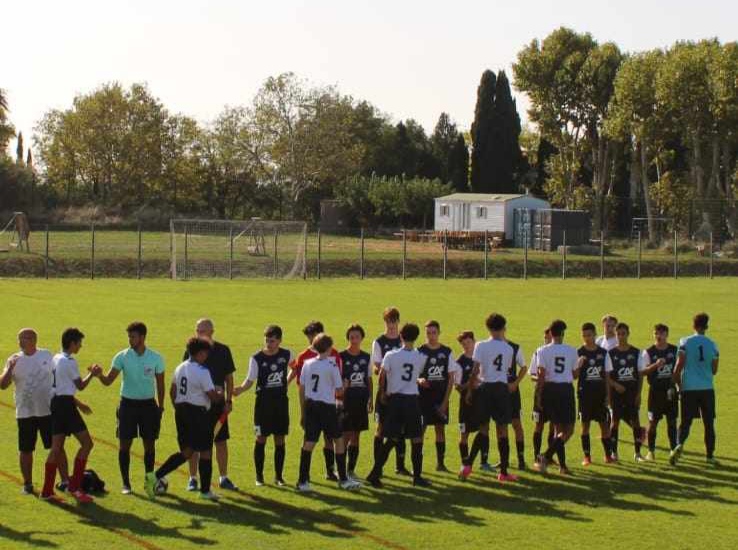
[321, 378]
[595, 367]
[439, 367]
[464, 368]
[402, 369]
[626, 365]
[607, 343]
[661, 378]
[193, 382]
[269, 373]
[65, 372]
[517, 361]
[494, 358]
[558, 362]
[356, 373]
[382, 345]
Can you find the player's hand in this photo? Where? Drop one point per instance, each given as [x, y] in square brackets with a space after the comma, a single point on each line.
[443, 409]
[512, 386]
[423, 383]
[84, 409]
[620, 389]
[383, 398]
[12, 362]
[660, 362]
[238, 390]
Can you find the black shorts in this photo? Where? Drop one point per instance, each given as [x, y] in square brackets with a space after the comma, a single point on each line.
[194, 427]
[320, 418]
[271, 415]
[430, 403]
[517, 404]
[28, 431]
[468, 418]
[494, 402]
[593, 404]
[624, 405]
[698, 404]
[663, 403]
[403, 417]
[65, 418]
[559, 402]
[538, 415]
[138, 417]
[355, 417]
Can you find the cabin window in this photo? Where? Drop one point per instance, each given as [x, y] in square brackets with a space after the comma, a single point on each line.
[482, 212]
[444, 210]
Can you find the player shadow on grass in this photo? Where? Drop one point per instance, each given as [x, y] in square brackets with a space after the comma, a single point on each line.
[27, 538]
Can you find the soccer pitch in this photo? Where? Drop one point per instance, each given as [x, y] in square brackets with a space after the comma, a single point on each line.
[618, 506]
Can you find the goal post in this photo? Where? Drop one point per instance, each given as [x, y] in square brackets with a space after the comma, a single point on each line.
[237, 248]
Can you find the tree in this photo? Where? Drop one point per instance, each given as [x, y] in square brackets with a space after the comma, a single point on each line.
[6, 128]
[450, 153]
[504, 150]
[458, 165]
[19, 150]
[481, 133]
[29, 160]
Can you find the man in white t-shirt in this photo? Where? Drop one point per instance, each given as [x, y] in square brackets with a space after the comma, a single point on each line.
[608, 339]
[31, 372]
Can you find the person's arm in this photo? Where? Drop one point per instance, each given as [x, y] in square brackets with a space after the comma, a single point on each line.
[7, 377]
[338, 384]
[229, 393]
[649, 366]
[250, 379]
[715, 365]
[382, 385]
[302, 405]
[160, 390]
[377, 357]
[540, 380]
[615, 385]
[81, 383]
[580, 364]
[370, 388]
[110, 377]
[173, 392]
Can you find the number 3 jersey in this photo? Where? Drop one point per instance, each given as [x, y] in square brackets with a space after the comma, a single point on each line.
[269, 373]
[193, 382]
[402, 369]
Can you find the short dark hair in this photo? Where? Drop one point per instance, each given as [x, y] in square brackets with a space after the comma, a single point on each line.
[589, 326]
[313, 328]
[609, 317]
[355, 328]
[409, 332]
[660, 327]
[623, 326]
[195, 345]
[433, 323]
[495, 322]
[391, 314]
[273, 331]
[137, 327]
[701, 320]
[70, 336]
[558, 327]
[464, 335]
[322, 342]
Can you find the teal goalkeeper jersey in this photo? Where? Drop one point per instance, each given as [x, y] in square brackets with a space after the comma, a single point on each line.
[699, 352]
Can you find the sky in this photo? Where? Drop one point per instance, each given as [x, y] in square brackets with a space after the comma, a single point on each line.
[412, 59]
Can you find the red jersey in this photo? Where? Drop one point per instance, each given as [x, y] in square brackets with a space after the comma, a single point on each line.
[310, 353]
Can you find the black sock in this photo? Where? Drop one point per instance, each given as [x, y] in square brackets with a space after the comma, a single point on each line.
[709, 437]
[586, 445]
[637, 440]
[259, 451]
[381, 456]
[440, 452]
[606, 446]
[341, 465]
[279, 454]
[353, 457]
[417, 459]
[400, 454]
[149, 461]
[551, 437]
[671, 430]
[503, 446]
[206, 474]
[614, 440]
[476, 447]
[484, 449]
[652, 439]
[520, 447]
[330, 460]
[463, 451]
[684, 431]
[124, 463]
[172, 463]
[553, 449]
[537, 442]
[377, 447]
[305, 457]
[561, 453]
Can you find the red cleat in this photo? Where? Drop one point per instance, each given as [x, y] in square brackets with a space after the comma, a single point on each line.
[611, 460]
[82, 497]
[465, 472]
[586, 461]
[506, 477]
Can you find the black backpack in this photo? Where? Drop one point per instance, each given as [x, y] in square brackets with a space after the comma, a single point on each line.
[91, 483]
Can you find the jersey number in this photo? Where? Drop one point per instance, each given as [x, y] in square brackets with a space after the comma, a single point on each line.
[408, 372]
[53, 373]
[316, 379]
[559, 364]
[183, 386]
[702, 354]
[498, 362]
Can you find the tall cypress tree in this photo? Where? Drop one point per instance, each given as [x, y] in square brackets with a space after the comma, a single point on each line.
[481, 133]
[444, 147]
[505, 155]
[29, 160]
[19, 150]
[458, 165]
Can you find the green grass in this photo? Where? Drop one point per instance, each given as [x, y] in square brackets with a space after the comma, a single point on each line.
[627, 505]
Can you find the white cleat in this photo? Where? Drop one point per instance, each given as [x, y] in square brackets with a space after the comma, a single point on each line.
[304, 487]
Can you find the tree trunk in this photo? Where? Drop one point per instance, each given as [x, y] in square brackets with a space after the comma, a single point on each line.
[647, 193]
[728, 171]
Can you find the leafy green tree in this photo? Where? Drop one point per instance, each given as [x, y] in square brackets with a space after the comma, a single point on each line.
[7, 130]
[19, 150]
[481, 134]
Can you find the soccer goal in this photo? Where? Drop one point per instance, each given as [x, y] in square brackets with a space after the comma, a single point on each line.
[19, 230]
[236, 249]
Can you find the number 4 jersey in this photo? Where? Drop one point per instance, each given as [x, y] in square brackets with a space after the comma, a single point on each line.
[193, 382]
[402, 368]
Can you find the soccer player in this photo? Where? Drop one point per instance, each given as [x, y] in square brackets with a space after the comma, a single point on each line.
[556, 372]
[192, 393]
[663, 397]
[515, 374]
[697, 364]
[538, 416]
[65, 417]
[311, 330]
[626, 381]
[608, 339]
[221, 367]
[320, 383]
[357, 394]
[268, 370]
[466, 384]
[436, 382]
[139, 413]
[388, 341]
[31, 372]
[398, 387]
[491, 359]
[592, 371]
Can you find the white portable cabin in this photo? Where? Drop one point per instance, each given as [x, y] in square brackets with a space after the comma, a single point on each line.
[483, 212]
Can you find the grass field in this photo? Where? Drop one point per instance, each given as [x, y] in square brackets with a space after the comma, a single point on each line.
[621, 506]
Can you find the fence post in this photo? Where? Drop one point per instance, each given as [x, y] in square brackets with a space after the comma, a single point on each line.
[305, 256]
[186, 257]
[602, 254]
[319, 251]
[445, 252]
[230, 252]
[140, 253]
[640, 253]
[563, 260]
[276, 254]
[92, 251]
[172, 255]
[525, 254]
[361, 253]
[404, 254]
[46, 255]
[486, 253]
[676, 254]
[712, 244]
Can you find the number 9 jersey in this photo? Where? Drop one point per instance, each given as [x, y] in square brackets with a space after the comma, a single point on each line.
[193, 382]
[402, 368]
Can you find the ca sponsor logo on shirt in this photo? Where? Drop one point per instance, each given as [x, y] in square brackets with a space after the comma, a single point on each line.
[275, 378]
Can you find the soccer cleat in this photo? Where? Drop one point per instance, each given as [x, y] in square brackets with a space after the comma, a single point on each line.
[586, 461]
[542, 464]
[279, 482]
[82, 497]
[611, 459]
[614, 458]
[227, 485]
[349, 485]
[62, 486]
[331, 476]
[27, 489]
[352, 475]
[259, 482]
[506, 477]
[403, 471]
[638, 458]
[650, 456]
[421, 482]
[675, 454]
[712, 461]
[374, 480]
[149, 484]
[162, 486]
[209, 496]
[465, 472]
[126, 490]
[487, 467]
[441, 468]
[564, 471]
[192, 484]
[51, 496]
[304, 487]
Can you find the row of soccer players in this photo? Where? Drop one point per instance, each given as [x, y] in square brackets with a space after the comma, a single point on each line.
[412, 394]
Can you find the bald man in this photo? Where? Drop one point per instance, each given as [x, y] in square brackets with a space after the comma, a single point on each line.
[31, 370]
[220, 364]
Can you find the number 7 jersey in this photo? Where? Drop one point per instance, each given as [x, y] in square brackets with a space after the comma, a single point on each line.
[402, 368]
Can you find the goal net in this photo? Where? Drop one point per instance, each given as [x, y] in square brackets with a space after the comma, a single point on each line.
[237, 249]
